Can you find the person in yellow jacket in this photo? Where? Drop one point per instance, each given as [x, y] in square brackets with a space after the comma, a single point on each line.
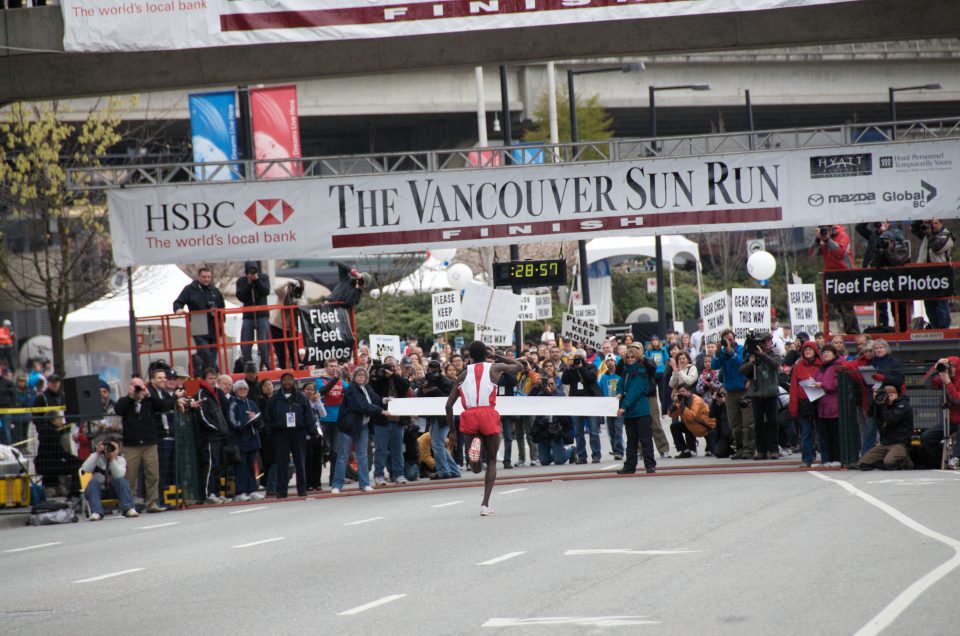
[695, 421]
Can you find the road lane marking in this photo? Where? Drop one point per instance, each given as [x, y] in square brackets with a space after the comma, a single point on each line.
[357, 523]
[371, 605]
[250, 545]
[110, 576]
[500, 559]
[897, 606]
[626, 551]
[34, 547]
[510, 492]
[617, 466]
[449, 503]
[586, 621]
[246, 510]
[159, 525]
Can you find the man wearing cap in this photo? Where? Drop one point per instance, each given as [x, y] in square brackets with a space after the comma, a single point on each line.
[895, 423]
[761, 370]
[252, 290]
[140, 410]
[253, 382]
[289, 417]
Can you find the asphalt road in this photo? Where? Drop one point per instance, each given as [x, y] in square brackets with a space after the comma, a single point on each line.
[673, 553]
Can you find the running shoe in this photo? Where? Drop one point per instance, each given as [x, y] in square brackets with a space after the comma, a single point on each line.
[486, 511]
[474, 453]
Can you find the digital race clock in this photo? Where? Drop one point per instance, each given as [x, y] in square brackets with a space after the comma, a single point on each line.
[530, 273]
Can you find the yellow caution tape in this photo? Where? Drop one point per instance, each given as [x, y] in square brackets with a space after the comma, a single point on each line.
[33, 409]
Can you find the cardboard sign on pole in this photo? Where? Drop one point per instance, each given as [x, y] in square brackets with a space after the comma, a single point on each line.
[802, 301]
[447, 314]
[382, 346]
[751, 312]
[584, 332]
[716, 315]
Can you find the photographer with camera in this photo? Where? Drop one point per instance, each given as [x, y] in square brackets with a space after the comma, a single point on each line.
[728, 360]
[436, 385]
[694, 421]
[253, 288]
[108, 471]
[892, 251]
[201, 295]
[581, 377]
[936, 243]
[944, 374]
[140, 411]
[895, 422]
[280, 322]
[387, 382]
[719, 440]
[762, 369]
[833, 244]
[350, 285]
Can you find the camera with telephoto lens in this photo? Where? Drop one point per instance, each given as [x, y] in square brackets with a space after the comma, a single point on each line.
[824, 231]
[577, 361]
[751, 342]
[377, 372]
[880, 396]
[942, 368]
[138, 389]
[109, 447]
[252, 270]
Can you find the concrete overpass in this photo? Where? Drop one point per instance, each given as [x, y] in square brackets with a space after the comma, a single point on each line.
[34, 66]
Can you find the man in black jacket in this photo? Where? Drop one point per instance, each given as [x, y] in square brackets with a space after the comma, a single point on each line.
[140, 412]
[895, 423]
[201, 295]
[582, 380]
[289, 417]
[252, 290]
[387, 381]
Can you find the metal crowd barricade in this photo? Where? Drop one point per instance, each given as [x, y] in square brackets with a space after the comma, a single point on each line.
[926, 402]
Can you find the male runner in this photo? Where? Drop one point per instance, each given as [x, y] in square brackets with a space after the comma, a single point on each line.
[480, 423]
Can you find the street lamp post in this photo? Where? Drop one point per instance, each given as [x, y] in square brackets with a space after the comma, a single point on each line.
[658, 255]
[575, 137]
[893, 102]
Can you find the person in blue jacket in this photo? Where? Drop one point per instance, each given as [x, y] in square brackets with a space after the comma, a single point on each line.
[360, 403]
[728, 360]
[638, 373]
[244, 418]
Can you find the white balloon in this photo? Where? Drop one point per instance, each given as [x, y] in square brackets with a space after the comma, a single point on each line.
[761, 265]
[459, 275]
[443, 255]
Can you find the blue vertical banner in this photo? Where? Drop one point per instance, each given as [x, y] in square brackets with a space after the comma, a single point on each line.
[213, 128]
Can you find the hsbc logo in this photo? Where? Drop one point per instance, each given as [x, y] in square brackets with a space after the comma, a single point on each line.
[184, 217]
[269, 212]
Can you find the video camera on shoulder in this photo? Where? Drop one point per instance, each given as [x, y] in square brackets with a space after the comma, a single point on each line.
[751, 342]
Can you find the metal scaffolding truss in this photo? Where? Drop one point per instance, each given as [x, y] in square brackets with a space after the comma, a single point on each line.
[120, 176]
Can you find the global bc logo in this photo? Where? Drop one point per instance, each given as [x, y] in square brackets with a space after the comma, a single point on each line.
[202, 224]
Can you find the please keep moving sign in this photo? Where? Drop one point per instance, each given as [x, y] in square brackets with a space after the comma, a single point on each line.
[583, 331]
[447, 312]
[751, 312]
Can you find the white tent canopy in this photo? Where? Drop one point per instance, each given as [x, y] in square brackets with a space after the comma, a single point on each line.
[97, 336]
[676, 249]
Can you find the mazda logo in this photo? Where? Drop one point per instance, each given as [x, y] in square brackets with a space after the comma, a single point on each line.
[816, 200]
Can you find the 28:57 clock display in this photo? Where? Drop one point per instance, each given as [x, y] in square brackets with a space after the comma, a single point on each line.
[548, 273]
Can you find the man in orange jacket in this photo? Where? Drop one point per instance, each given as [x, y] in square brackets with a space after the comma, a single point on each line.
[695, 421]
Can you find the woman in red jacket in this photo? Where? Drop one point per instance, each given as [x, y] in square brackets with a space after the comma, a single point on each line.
[801, 408]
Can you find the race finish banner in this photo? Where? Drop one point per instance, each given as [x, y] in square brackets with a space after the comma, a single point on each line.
[916, 282]
[401, 212]
[147, 25]
[326, 333]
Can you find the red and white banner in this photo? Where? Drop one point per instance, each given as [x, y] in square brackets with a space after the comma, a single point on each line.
[413, 211]
[143, 25]
[276, 130]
